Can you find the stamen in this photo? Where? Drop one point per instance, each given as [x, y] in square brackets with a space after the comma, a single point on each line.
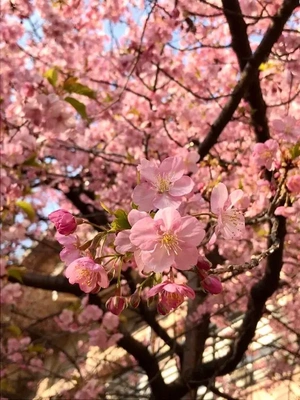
[170, 242]
[85, 274]
[163, 184]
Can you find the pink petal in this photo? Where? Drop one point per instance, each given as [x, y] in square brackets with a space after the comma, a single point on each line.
[171, 218]
[182, 186]
[149, 170]
[165, 200]
[235, 196]
[135, 215]
[157, 260]
[218, 198]
[155, 289]
[143, 195]
[186, 258]
[144, 234]
[123, 243]
[172, 167]
[191, 231]
[232, 225]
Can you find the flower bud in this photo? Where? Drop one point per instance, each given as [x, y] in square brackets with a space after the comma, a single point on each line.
[212, 284]
[175, 13]
[64, 222]
[203, 264]
[116, 304]
[135, 299]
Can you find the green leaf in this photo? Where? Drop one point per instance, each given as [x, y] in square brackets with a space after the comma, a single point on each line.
[108, 210]
[79, 107]
[14, 330]
[295, 151]
[15, 273]
[27, 208]
[32, 162]
[72, 86]
[37, 348]
[121, 221]
[52, 76]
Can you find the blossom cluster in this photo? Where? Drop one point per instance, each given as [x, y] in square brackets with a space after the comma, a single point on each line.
[158, 236]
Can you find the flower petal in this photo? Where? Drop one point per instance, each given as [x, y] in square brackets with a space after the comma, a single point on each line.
[186, 258]
[172, 167]
[144, 234]
[182, 186]
[218, 198]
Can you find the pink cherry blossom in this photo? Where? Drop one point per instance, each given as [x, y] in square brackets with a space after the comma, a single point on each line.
[288, 129]
[231, 222]
[90, 313]
[71, 251]
[266, 154]
[293, 184]
[171, 295]
[162, 185]
[10, 293]
[89, 275]
[190, 159]
[64, 221]
[167, 239]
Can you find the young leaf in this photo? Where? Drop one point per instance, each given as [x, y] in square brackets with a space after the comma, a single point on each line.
[79, 107]
[72, 86]
[27, 208]
[52, 76]
[15, 273]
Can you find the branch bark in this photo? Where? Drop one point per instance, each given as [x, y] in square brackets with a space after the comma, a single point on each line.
[242, 49]
[259, 294]
[260, 55]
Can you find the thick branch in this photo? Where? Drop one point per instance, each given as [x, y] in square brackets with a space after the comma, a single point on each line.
[94, 215]
[259, 294]
[242, 49]
[140, 352]
[249, 73]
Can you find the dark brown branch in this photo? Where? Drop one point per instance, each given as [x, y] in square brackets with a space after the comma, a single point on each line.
[260, 55]
[140, 352]
[259, 294]
[242, 49]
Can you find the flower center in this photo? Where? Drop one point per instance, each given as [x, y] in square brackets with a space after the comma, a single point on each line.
[170, 242]
[172, 300]
[84, 275]
[162, 184]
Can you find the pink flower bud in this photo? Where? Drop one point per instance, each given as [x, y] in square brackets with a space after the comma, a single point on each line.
[212, 284]
[203, 264]
[175, 13]
[116, 304]
[135, 299]
[64, 221]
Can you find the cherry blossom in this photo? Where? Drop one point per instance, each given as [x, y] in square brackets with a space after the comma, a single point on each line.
[89, 275]
[266, 154]
[171, 295]
[167, 239]
[231, 222]
[293, 184]
[162, 185]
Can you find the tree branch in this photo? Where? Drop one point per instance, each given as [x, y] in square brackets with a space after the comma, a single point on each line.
[140, 352]
[261, 54]
[242, 49]
[259, 294]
